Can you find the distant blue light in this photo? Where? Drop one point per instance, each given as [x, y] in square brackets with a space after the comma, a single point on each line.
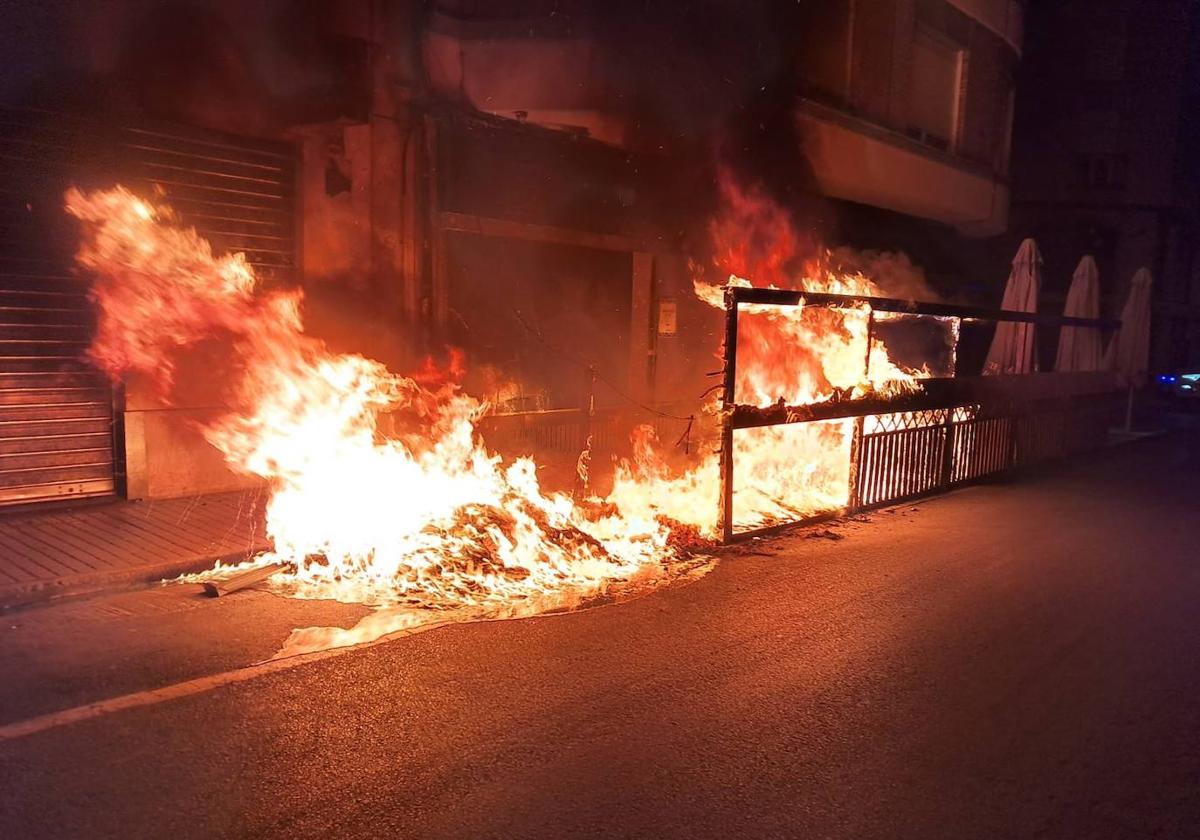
[1166, 378]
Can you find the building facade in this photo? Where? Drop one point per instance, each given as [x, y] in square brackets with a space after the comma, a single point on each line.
[520, 177]
[1104, 155]
[906, 105]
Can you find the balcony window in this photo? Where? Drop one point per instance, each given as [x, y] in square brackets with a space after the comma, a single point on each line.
[937, 73]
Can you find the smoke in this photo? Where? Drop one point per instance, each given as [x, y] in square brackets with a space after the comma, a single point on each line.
[684, 76]
[246, 68]
[755, 237]
[756, 240]
[893, 272]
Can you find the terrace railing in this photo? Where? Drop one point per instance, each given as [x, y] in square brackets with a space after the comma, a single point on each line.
[948, 432]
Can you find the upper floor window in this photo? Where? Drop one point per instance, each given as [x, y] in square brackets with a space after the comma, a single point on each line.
[1101, 171]
[936, 98]
[1104, 48]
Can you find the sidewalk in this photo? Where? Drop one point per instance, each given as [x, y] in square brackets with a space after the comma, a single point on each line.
[50, 553]
[46, 554]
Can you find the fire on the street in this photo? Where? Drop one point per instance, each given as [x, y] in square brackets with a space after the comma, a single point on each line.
[382, 491]
[794, 355]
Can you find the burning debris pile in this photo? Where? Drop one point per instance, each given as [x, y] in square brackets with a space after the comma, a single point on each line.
[425, 516]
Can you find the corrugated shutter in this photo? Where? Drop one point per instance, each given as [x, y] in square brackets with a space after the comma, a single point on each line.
[56, 412]
[58, 437]
[237, 192]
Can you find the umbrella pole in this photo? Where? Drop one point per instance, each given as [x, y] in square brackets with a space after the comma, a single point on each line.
[1129, 410]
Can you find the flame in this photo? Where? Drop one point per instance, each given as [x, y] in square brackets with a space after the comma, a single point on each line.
[382, 491]
[797, 355]
[423, 515]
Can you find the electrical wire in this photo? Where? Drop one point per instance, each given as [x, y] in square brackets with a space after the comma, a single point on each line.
[587, 365]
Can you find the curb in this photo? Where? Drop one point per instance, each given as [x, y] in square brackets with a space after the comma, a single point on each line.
[18, 596]
[1118, 437]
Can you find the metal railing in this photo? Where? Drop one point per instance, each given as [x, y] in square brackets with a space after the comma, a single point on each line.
[947, 432]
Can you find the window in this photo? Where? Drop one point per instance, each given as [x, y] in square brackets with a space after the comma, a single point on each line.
[1104, 48]
[1004, 138]
[1101, 171]
[1096, 135]
[937, 72]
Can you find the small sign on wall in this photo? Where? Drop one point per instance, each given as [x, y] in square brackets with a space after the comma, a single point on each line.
[666, 317]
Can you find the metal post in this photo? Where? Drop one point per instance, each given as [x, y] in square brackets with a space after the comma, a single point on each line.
[587, 428]
[948, 449]
[120, 466]
[856, 439]
[870, 338]
[727, 402]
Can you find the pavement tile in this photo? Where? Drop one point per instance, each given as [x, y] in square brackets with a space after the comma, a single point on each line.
[49, 553]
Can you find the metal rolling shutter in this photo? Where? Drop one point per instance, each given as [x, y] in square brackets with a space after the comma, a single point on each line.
[59, 417]
[237, 192]
[56, 412]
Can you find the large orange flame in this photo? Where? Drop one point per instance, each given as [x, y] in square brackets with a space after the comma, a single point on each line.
[419, 515]
[795, 354]
[425, 516]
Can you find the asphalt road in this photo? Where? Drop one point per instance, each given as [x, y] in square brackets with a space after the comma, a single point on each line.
[1013, 660]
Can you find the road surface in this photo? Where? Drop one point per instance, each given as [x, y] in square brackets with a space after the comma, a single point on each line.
[1013, 660]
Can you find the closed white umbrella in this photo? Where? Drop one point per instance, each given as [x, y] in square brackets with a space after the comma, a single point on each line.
[1012, 349]
[1079, 347]
[1129, 351]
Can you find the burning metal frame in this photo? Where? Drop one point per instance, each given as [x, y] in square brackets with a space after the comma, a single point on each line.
[948, 432]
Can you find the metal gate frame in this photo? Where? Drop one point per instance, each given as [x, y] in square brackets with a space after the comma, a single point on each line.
[952, 431]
